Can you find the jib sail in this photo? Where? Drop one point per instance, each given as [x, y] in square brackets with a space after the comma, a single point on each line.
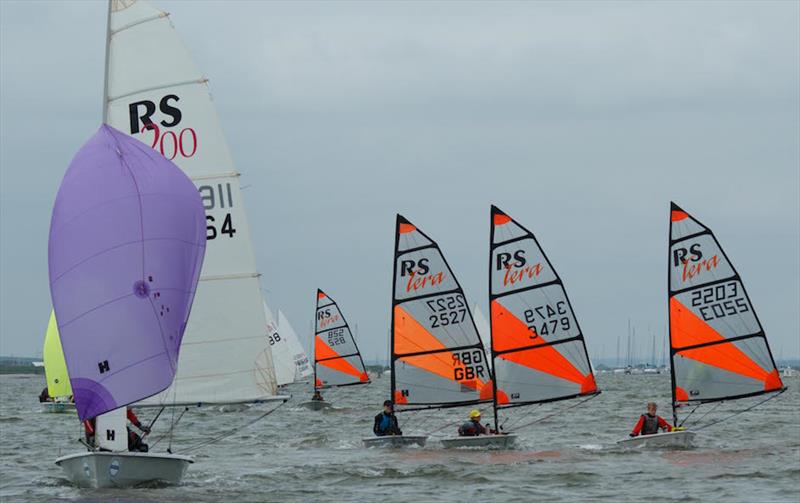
[436, 353]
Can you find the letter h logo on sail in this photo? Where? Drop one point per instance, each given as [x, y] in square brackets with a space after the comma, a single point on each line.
[103, 366]
[110, 434]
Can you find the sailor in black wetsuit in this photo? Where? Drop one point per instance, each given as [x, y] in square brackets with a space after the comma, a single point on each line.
[473, 427]
[386, 421]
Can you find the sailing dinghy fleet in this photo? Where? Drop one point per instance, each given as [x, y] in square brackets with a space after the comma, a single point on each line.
[157, 301]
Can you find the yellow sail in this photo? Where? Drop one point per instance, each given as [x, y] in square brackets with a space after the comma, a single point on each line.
[55, 368]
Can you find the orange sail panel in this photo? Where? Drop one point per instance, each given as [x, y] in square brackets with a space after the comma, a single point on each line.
[412, 337]
[719, 348]
[437, 356]
[538, 348]
[337, 361]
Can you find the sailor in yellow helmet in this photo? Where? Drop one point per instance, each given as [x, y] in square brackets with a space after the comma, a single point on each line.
[473, 427]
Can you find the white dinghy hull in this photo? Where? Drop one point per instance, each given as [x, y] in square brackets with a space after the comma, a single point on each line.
[123, 469]
[674, 439]
[57, 407]
[316, 405]
[395, 441]
[492, 441]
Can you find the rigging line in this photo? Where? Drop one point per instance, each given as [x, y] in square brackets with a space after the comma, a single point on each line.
[150, 426]
[517, 418]
[557, 412]
[690, 413]
[741, 411]
[704, 415]
[171, 429]
[232, 431]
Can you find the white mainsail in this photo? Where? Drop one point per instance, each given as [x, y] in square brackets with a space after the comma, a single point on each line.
[482, 324]
[155, 93]
[282, 356]
[302, 366]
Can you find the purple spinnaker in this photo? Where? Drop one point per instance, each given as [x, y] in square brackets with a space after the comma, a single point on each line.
[127, 239]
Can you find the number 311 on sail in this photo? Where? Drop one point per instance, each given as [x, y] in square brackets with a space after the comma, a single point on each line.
[218, 196]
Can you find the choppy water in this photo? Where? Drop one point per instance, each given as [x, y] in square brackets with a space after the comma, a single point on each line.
[298, 455]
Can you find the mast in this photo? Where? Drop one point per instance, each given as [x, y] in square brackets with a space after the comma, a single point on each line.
[491, 329]
[313, 328]
[653, 355]
[392, 390]
[108, 52]
[672, 208]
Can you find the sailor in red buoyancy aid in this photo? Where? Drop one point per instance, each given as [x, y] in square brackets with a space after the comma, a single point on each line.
[650, 423]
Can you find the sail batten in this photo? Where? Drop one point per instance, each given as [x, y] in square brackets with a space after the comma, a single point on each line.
[437, 357]
[538, 349]
[718, 347]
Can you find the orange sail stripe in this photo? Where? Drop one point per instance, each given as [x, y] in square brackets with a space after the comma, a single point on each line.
[509, 332]
[321, 295]
[411, 337]
[548, 360]
[501, 219]
[677, 215]
[323, 352]
[688, 329]
[406, 228]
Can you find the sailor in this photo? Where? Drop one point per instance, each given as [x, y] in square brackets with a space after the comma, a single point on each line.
[317, 397]
[473, 427]
[44, 396]
[650, 423]
[134, 439]
[386, 421]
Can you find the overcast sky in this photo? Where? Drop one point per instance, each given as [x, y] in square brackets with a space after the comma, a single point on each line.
[581, 120]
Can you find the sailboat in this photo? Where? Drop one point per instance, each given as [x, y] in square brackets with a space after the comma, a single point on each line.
[437, 358]
[289, 358]
[127, 239]
[55, 372]
[303, 369]
[155, 93]
[538, 349]
[337, 360]
[718, 348]
[282, 358]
